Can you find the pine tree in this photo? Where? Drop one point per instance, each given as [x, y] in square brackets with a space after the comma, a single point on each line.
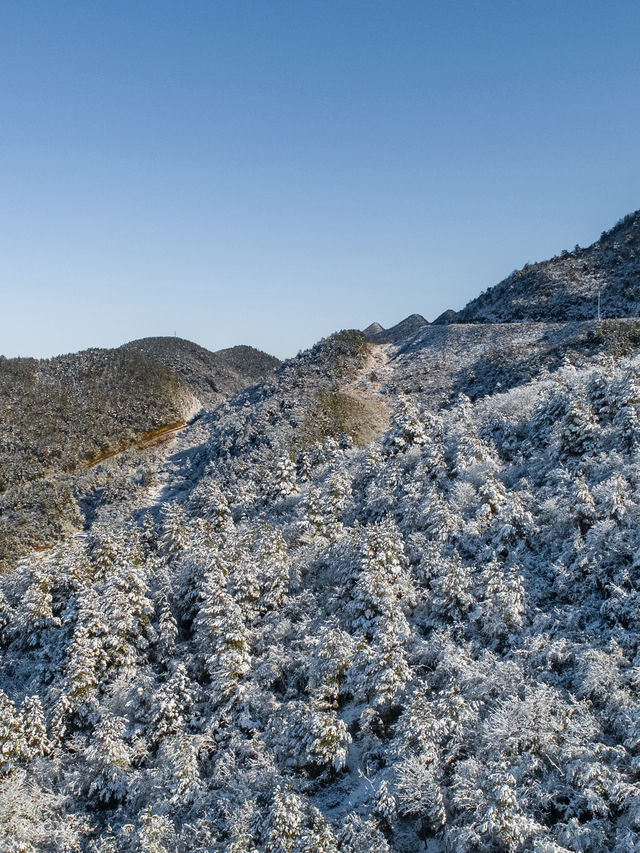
[222, 636]
[407, 430]
[578, 431]
[502, 610]
[7, 616]
[313, 512]
[326, 736]
[209, 502]
[130, 613]
[360, 835]
[34, 728]
[284, 822]
[178, 758]
[12, 736]
[382, 582]
[38, 603]
[271, 557]
[283, 481]
[627, 415]
[418, 792]
[583, 504]
[493, 495]
[600, 393]
[88, 658]
[451, 594]
[336, 500]
[167, 628]
[243, 582]
[109, 758]
[319, 837]
[149, 534]
[504, 825]
[174, 537]
[330, 661]
[385, 666]
[103, 555]
[217, 511]
[385, 808]
[171, 704]
[156, 833]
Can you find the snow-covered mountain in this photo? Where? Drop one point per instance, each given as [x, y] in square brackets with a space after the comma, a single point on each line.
[60, 416]
[566, 287]
[385, 599]
[409, 326]
[211, 376]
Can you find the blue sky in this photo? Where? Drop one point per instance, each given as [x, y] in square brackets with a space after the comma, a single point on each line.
[269, 172]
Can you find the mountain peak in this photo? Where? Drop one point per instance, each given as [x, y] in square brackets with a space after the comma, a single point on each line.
[377, 334]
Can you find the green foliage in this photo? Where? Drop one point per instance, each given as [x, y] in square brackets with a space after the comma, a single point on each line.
[618, 337]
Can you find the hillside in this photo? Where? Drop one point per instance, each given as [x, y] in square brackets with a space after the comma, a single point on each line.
[210, 376]
[385, 600]
[59, 417]
[566, 287]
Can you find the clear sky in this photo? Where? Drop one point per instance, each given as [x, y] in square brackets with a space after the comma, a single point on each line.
[267, 172]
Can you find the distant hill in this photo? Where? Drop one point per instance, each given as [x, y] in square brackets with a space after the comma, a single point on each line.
[57, 415]
[211, 376]
[376, 334]
[448, 316]
[61, 416]
[566, 286]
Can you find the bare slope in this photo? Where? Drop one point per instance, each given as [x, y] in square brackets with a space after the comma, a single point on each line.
[441, 362]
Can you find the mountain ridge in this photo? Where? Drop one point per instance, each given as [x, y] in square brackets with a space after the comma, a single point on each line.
[599, 281]
[377, 334]
[566, 286]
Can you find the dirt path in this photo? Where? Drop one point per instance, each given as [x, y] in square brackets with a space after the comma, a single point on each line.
[153, 438]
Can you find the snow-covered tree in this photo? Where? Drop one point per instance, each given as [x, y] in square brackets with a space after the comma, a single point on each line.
[88, 654]
[406, 430]
[173, 537]
[578, 431]
[284, 822]
[222, 636]
[34, 728]
[109, 758]
[283, 481]
[12, 736]
[171, 705]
